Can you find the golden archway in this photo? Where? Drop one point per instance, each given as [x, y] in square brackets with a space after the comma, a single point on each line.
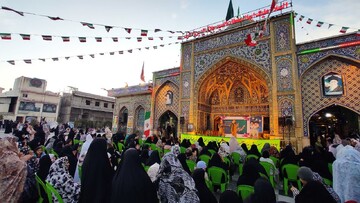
[232, 89]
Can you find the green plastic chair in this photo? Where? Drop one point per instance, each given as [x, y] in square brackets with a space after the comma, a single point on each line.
[209, 185]
[76, 141]
[275, 160]
[330, 166]
[115, 146]
[244, 191]
[215, 176]
[227, 161]
[205, 158]
[291, 172]
[268, 168]
[249, 156]
[240, 169]
[52, 191]
[212, 151]
[191, 164]
[328, 182]
[52, 151]
[121, 146]
[153, 146]
[40, 183]
[236, 158]
[146, 168]
[182, 150]
[166, 151]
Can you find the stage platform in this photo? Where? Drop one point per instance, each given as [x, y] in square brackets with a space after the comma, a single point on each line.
[248, 141]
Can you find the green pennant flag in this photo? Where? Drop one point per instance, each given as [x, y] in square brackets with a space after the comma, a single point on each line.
[230, 12]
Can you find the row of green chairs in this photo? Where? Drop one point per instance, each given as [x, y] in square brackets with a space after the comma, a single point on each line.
[49, 189]
[244, 191]
[215, 176]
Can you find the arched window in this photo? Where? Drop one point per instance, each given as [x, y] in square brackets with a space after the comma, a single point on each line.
[140, 118]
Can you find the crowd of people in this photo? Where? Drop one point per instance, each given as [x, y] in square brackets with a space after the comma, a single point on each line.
[88, 166]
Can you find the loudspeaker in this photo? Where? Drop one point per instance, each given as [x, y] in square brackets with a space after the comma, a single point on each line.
[182, 120]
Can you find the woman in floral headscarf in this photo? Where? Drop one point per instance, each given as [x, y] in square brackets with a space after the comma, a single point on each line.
[62, 181]
[175, 184]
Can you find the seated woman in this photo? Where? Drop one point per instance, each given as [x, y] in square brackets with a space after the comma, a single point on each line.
[205, 195]
[263, 192]
[60, 178]
[249, 175]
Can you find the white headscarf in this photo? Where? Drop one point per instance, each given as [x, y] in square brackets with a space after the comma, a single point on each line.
[346, 174]
[82, 155]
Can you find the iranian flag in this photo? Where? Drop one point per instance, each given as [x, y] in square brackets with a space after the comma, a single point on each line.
[25, 37]
[144, 33]
[82, 39]
[344, 29]
[147, 124]
[98, 39]
[319, 24]
[5, 36]
[65, 39]
[47, 37]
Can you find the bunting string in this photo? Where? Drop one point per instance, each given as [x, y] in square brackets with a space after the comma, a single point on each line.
[321, 24]
[143, 32]
[8, 36]
[93, 55]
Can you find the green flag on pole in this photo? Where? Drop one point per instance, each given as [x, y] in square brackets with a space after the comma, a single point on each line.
[230, 11]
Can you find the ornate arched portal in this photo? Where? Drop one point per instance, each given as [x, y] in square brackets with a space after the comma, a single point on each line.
[231, 88]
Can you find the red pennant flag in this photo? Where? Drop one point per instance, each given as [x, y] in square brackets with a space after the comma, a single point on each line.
[115, 39]
[92, 55]
[5, 36]
[80, 57]
[65, 39]
[128, 30]
[12, 62]
[139, 39]
[98, 39]
[250, 40]
[82, 39]
[157, 30]
[89, 25]
[47, 37]
[55, 18]
[28, 61]
[142, 75]
[25, 37]
[144, 33]
[273, 4]
[108, 28]
[10, 9]
[150, 38]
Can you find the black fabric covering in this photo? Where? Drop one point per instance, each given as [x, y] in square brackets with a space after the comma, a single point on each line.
[230, 196]
[312, 192]
[131, 184]
[96, 174]
[154, 158]
[182, 159]
[205, 195]
[68, 151]
[263, 192]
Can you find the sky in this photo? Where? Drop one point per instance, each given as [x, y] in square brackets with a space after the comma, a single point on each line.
[106, 71]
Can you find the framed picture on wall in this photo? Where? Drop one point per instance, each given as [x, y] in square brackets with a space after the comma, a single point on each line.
[333, 85]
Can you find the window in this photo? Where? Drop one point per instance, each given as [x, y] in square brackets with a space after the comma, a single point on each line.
[87, 102]
[112, 106]
[25, 95]
[105, 105]
[97, 103]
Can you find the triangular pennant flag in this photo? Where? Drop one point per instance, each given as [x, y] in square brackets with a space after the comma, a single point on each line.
[144, 33]
[230, 11]
[344, 29]
[130, 50]
[25, 36]
[147, 47]
[67, 57]
[28, 61]
[82, 39]
[330, 25]
[139, 39]
[157, 30]
[121, 52]
[115, 39]
[91, 26]
[301, 17]
[112, 53]
[142, 75]
[80, 57]
[150, 38]
[42, 59]
[98, 39]
[319, 24]
[108, 28]
[10, 9]
[250, 40]
[47, 37]
[12, 62]
[92, 55]
[55, 59]
[161, 38]
[5, 36]
[309, 21]
[65, 39]
[128, 30]
[55, 18]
